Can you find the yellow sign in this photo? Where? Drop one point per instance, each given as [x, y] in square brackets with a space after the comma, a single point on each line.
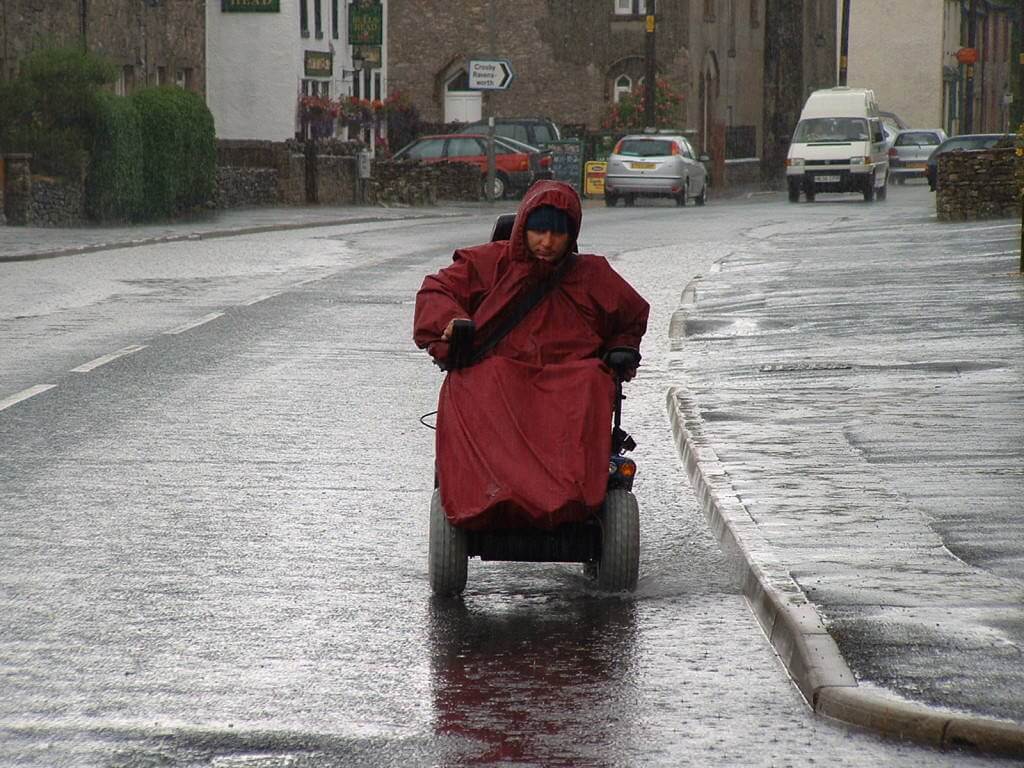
[650, 23]
[593, 178]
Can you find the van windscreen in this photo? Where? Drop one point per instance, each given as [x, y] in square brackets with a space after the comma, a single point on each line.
[829, 129]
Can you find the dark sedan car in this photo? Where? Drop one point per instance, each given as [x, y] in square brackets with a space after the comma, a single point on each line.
[963, 142]
[517, 165]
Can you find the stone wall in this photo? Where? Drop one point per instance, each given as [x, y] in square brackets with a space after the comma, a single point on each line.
[56, 203]
[979, 184]
[336, 179]
[412, 183]
[246, 187]
[244, 168]
[18, 189]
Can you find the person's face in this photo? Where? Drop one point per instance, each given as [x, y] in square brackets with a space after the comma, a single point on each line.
[547, 245]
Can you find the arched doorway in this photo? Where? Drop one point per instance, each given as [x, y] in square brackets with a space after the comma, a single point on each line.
[461, 104]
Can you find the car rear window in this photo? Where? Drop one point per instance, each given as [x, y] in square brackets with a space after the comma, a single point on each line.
[646, 147]
[917, 137]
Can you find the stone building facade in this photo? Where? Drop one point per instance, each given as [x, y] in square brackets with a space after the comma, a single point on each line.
[151, 42]
[570, 58]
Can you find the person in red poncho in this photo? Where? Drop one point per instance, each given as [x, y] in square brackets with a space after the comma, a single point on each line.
[524, 435]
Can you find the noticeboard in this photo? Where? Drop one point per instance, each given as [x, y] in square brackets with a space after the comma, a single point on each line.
[566, 161]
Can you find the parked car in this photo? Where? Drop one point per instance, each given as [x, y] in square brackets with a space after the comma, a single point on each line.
[962, 142]
[655, 165]
[517, 165]
[535, 131]
[908, 155]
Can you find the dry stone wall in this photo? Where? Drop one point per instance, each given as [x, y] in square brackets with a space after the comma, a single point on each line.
[979, 184]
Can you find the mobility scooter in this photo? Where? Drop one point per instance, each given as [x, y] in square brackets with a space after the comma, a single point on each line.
[607, 543]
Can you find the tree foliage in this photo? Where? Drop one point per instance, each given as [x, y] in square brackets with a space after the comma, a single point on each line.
[49, 110]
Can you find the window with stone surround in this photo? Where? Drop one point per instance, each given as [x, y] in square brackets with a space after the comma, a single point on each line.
[304, 18]
[623, 85]
[631, 7]
[709, 10]
[318, 20]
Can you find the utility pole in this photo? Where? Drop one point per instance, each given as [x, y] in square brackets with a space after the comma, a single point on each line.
[650, 78]
[844, 42]
[972, 34]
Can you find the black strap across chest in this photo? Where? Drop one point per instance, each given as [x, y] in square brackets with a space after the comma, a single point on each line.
[521, 309]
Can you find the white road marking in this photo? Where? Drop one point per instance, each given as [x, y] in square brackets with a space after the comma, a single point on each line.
[258, 299]
[25, 394]
[194, 323]
[86, 367]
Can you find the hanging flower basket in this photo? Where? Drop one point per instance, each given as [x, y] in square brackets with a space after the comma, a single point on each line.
[314, 108]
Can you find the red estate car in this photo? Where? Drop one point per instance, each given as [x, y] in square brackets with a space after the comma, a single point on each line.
[517, 165]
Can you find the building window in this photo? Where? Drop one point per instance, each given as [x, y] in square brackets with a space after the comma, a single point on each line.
[755, 14]
[183, 78]
[334, 19]
[623, 85]
[161, 75]
[321, 88]
[125, 81]
[709, 10]
[318, 20]
[304, 18]
[630, 7]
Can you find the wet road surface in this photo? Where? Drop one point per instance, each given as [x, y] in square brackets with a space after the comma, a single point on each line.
[215, 549]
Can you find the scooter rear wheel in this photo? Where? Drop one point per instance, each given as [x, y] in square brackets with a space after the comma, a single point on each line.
[619, 567]
[446, 552]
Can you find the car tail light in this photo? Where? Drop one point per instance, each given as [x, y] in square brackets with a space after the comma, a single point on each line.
[524, 162]
[892, 151]
[545, 161]
[618, 146]
[675, 148]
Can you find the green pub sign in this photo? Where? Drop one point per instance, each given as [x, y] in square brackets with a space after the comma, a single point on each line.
[319, 64]
[250, 6]
[365, 23]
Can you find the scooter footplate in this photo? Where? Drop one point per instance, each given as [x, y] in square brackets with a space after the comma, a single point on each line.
[569, 543]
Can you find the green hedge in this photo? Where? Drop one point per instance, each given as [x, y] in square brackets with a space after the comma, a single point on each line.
[179, 150]
[114, 184]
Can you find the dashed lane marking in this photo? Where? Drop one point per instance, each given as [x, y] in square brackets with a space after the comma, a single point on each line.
[258, 299]
[194, 324]
[86, 367]
[25, 394]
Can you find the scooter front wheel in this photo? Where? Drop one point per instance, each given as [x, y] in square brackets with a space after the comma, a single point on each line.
[619, 567]
[447, 558]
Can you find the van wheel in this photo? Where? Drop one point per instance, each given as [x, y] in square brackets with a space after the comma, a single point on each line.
[610, 200]
[869, 190]
[794, 191]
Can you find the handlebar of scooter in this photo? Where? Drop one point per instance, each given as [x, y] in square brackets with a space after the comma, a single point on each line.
[460, 345]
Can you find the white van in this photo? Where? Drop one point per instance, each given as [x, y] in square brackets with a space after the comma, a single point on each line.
[838, 146]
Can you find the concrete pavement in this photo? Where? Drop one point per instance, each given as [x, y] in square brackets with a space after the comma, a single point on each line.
[26, 243]
[851, 415]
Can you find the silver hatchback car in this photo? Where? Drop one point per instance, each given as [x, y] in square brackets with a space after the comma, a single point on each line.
[655, 165]
[909, 153]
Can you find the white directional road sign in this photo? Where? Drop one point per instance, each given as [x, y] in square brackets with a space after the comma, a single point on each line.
[493, 75]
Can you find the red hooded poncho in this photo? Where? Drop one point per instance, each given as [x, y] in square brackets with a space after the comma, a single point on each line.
[524, 436]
